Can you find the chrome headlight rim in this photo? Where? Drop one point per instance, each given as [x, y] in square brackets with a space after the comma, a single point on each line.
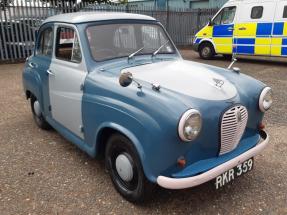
[182, 121]
[262, 97]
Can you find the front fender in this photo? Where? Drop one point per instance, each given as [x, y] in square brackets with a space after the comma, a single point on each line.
[101, 112]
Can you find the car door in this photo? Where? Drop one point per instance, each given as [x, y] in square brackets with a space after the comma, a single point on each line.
[253, 29]
[223, 26]
[279, 36]
[41, 61]
[66, 78]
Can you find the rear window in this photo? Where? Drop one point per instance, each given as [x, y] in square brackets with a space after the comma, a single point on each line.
[285, 12]
[257, 12]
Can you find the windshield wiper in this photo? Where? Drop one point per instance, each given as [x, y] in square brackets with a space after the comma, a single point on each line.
[134, 53]
[158, 50]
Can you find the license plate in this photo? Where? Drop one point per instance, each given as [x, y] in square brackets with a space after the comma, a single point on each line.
[233, 173]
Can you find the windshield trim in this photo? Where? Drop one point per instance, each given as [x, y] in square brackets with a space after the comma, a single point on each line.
[127, 21]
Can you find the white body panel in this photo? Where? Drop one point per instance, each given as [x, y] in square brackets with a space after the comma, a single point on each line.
[185, 77]
[80, 17]
[245, 11]
[65, 92]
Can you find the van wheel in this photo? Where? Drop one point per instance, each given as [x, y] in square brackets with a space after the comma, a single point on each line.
[125, 169]
[206, 51]
[37, 114]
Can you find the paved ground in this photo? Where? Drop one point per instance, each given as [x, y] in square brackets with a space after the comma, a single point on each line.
[42, 173]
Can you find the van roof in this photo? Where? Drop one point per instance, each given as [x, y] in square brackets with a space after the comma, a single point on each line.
[80, 17]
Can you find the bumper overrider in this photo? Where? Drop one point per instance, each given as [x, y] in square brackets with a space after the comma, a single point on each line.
[181, 183]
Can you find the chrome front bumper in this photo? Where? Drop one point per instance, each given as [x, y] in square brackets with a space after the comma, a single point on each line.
[181, 183]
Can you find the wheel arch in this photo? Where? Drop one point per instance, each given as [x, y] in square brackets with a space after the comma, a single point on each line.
[33, 86]
[106, 130]
[207, 40]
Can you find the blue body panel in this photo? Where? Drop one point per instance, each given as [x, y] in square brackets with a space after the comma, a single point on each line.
[205, 165]
[149, 118]
[278, 28]
[129, 110]
[222, 30]
[264, 29]
[36, 79]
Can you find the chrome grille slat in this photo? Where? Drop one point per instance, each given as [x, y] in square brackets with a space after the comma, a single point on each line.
[232, 128]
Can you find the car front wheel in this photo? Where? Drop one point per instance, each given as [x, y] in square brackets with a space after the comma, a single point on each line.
[125, 169]
[37, 114]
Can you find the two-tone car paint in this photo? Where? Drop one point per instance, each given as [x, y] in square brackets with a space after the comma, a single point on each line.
[148, 117]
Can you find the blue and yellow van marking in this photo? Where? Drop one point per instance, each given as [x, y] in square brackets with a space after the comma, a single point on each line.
[256, 38]
[222, 31]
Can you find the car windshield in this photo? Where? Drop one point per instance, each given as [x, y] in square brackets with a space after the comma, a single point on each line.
[121, 40]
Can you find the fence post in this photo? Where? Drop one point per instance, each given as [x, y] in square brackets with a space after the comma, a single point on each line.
[167, 16]
[198, 19]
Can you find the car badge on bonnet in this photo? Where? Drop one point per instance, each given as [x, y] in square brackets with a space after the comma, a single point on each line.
[218, 83]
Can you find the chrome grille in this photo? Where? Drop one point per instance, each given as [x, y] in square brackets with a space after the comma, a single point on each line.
[233, 124]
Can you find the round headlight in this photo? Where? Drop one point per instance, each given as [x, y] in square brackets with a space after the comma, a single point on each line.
[265, 99]
[189, 125]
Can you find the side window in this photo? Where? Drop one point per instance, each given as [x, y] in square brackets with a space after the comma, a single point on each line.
[45, 45]
[67, 45]
[257, 12]
[226, 16]
[285, 12]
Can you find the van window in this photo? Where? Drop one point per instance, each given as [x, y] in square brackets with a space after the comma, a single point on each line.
[257, 12]
[45, 45]
[226, 16]
[67, 45]
[285, 12]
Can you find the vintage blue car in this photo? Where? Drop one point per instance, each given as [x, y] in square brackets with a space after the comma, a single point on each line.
[115, 85]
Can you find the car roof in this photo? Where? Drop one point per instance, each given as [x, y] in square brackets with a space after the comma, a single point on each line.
[81, 17]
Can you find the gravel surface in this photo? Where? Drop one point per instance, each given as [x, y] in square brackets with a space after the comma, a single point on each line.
[42, 173]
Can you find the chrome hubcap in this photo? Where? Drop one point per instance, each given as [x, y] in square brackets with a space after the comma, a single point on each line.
[37, 108]
[124, 168]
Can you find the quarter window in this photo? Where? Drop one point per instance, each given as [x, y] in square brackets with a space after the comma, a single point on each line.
[257, 12]
[68, 46]
[226, 16]
[285, 12]
[45, 45]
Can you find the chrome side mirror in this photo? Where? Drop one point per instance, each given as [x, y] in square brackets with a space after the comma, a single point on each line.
[126, 78]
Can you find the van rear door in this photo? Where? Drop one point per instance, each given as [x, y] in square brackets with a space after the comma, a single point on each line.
[253, 29]
[279, 37]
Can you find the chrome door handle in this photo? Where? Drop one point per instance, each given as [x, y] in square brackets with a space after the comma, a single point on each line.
[32, 65]
[230, 29]
[49, 72]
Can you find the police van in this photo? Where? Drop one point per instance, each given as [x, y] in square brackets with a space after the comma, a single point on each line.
[247, 27]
